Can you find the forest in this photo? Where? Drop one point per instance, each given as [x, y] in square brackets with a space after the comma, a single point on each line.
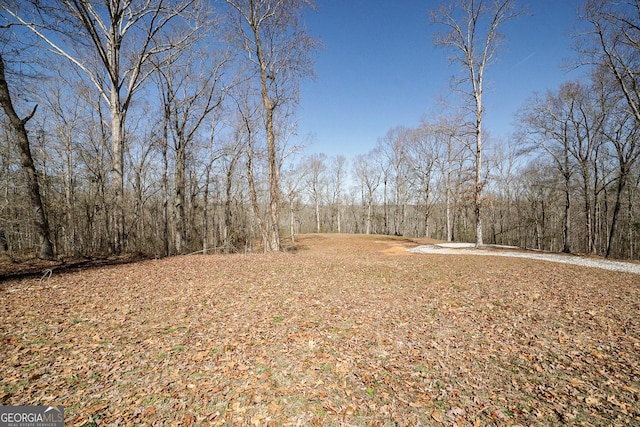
[160, 128]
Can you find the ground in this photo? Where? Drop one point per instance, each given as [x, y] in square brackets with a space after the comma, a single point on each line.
[345, 330]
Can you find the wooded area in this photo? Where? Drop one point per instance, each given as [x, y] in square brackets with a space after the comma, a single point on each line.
[165, 128]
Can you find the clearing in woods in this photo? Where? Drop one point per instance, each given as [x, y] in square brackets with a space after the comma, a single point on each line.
[346, 330]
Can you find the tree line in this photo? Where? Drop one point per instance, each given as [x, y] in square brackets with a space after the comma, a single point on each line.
[163, 128]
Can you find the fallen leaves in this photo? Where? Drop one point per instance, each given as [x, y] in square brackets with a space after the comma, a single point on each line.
[346, 331]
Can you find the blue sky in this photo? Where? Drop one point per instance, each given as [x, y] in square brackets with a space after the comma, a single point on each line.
[379, 68]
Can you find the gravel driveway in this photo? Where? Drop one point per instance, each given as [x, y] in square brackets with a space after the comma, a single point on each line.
[510, 251]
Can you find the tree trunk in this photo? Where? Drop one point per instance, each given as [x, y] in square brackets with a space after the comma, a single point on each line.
[205, 211]
[537, 231]
[630, 224]
[117, 170]
[448, 211]
[180, 200]
[385, 203]
[566, 227]
[292, 221]
[69, 199]
[588, 200]
[317, 208]
[274, 188]
[369, 213]
[165, 193]
[616, 211]
[477, 196]
[589, 219]
[447, 192]
[228, 215]
[254, 199]
[18, 125]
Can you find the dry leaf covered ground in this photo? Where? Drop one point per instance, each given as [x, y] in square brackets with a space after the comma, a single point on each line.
[347, 330]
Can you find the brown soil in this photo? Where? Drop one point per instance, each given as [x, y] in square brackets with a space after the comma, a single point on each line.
[345, 330]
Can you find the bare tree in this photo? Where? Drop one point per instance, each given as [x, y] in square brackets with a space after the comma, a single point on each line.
[472, 33]
[384, 167]
[190, 87]
[336, 183]
[422, 155]
[94, 157]
[546, 124]
[278, 52]
[614, 41]
[140, 158]
[19, 127]
[64, 112]
[586, 121]
[245, 135]
[112, 43]
[622, 131]
[503, 189]
[293, 179]
[450, 163]
[315, 180]
[231, 154]
[368, 175]
[536, 183]
[393, 152]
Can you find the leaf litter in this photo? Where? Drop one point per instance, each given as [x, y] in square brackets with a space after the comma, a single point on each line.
[346, 330]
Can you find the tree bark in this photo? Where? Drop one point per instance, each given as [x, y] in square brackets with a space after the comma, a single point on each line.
[165, 186]
[117, 180]
[253, 195]
[69, 197]
[566, 225]
[477, 195]
[316, 199]
[369, 214]
[180, 199]
[205, 211]
[40, 221]
[228, 214]
[292, 220]
[622, 180]
[448, 192]
[274, 188]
